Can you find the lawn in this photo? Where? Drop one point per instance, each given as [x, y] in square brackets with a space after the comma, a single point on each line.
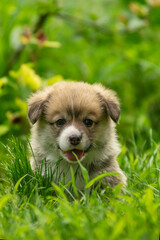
[31, 207]
[113, 42]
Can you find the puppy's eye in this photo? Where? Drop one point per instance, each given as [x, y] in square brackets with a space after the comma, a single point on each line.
[60, 122]
[88, 122]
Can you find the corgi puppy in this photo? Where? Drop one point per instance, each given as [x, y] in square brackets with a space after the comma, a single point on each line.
[75, 121]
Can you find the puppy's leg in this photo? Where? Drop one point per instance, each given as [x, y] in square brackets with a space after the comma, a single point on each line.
[114, 180]
[111, 180]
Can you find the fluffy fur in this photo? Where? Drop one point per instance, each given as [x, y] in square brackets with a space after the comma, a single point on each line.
[78, 117]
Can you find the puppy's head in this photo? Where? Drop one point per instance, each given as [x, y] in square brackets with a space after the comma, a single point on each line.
[74, 118]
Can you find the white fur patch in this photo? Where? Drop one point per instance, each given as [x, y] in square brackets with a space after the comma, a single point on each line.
[64, 142]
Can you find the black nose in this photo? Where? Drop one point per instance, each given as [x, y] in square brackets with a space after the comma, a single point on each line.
[74, 139]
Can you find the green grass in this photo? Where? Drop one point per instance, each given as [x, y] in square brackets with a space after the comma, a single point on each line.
[32, 207]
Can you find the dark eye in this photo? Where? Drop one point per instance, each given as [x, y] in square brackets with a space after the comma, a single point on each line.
[60, 122]
[88, 122]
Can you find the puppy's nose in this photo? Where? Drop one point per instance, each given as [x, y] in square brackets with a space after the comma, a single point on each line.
[75, 139]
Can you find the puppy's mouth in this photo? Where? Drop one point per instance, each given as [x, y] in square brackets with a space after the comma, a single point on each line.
[74, 154]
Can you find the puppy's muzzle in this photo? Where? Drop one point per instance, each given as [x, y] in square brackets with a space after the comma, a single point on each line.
[75, 139]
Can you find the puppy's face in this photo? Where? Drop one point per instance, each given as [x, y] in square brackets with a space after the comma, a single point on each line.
[73, 117]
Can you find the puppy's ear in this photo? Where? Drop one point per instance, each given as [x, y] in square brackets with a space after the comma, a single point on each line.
[109, 101]
[36, 105]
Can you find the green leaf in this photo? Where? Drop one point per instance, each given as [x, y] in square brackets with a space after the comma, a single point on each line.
[4, 199]
[3, 129]
[18, 182]
[90, 183]
[3, 81]
[73, 181]
[60, 191]
[51, 44]
[83, 169]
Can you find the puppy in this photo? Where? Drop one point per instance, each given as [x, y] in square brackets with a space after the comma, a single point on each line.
[76, 121]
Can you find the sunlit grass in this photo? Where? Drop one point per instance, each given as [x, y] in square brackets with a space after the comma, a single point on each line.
[33, 207]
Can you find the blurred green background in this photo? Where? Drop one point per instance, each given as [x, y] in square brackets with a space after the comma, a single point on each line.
[113, 42]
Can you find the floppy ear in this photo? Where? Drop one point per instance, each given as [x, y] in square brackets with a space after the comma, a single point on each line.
[36, 105]
[109, 101]
[113, 110]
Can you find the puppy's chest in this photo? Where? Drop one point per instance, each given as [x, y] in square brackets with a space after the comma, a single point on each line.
[62, 173]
